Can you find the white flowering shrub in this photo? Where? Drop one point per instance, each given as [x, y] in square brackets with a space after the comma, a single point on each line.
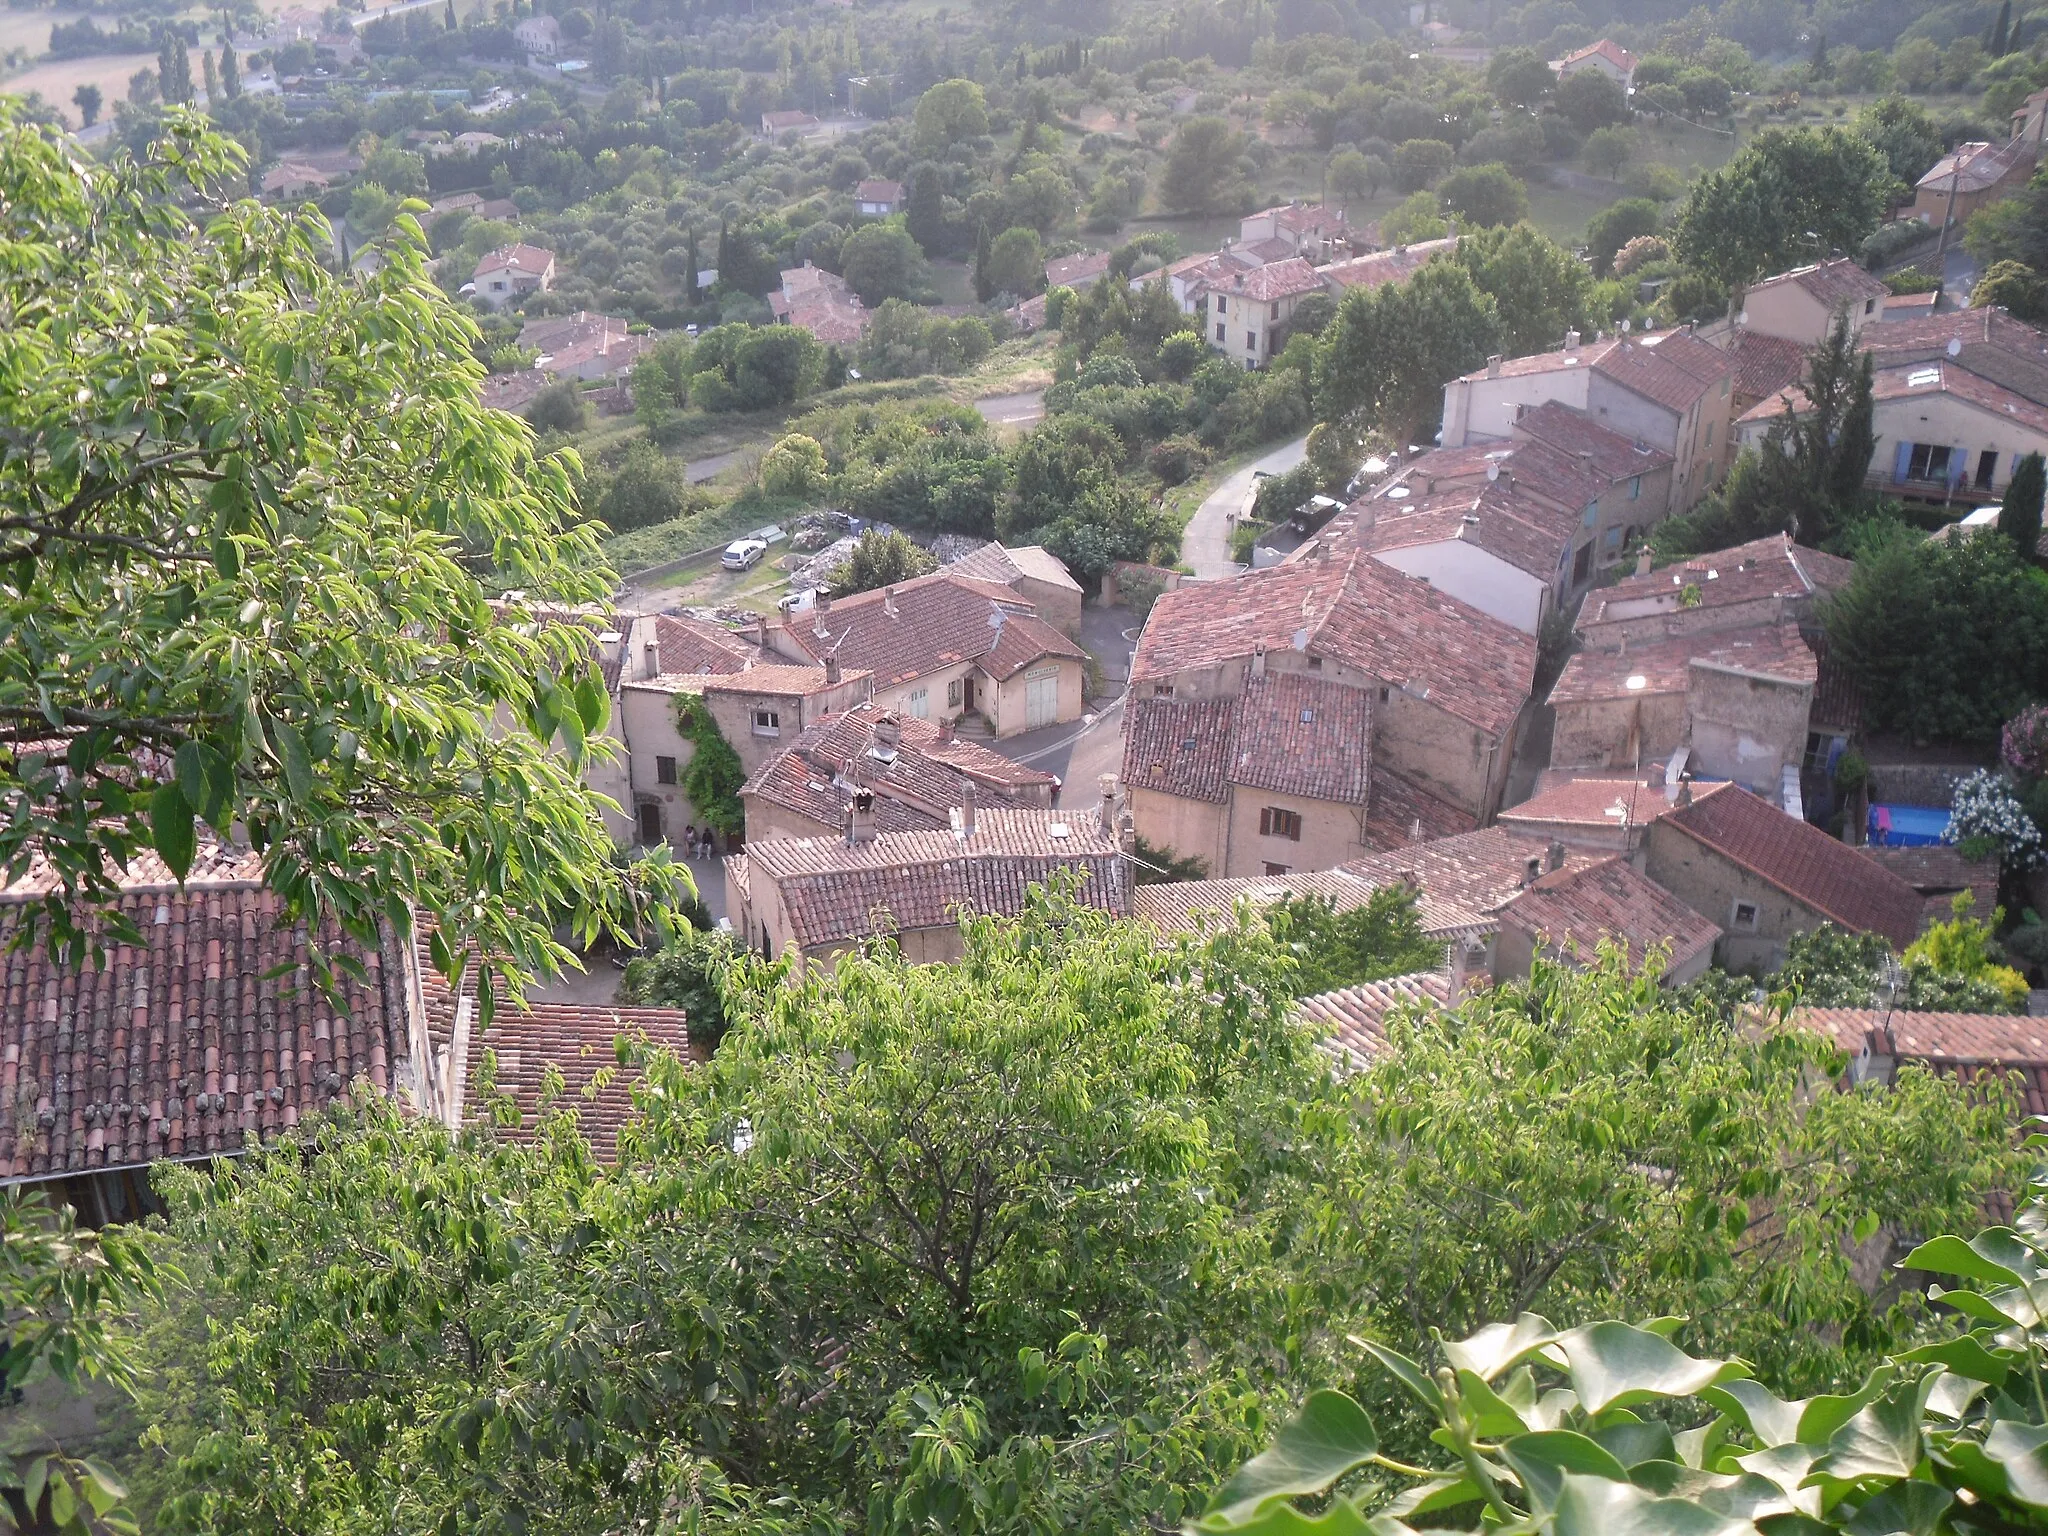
[1987, 814]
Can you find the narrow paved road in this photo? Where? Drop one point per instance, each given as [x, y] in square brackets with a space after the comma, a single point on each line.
[1024, 410]
[1205, 544]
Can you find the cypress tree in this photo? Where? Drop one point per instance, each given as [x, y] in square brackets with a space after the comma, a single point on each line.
[230, 71]
[448, 20]
[981, 249]
[2019, 514]
[173, 69]
[2001, 30]
[213, 96]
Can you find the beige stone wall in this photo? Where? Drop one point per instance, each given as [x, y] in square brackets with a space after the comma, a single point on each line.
[1711, 886]
[1595, 733]
[1058, 606]
[1191, 828]
[1330, 834]
[1454, 761]
[1008, 705]
[647, 719]
[1746, 728]
[1484, 410]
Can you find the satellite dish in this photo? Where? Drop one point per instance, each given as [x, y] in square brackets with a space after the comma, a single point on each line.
[1493, 471]
[1955, 346]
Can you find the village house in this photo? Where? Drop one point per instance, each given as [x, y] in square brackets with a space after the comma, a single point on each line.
[1516, 529]
[1249, 311]
[813, 898]
[1378, 268]
[1352, 1021]
[1969, 177]
[878, 199]
[1803, 306]
[944, 647]
[1084, 269]
[539, 36]
[584, 345]
[1596, 813]
[511, 272]
[1035, 574]
[822, 303]
[1606, 57]
[1766, 581]
[918, 772]
[1446, 685]
[291, 180]
[775, 124]
[1764, 877]
[1671, 391]
[1568, 916]
[1878, 1041]
[1310, 230]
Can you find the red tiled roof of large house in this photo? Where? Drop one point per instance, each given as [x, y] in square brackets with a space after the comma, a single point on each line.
[918, 771]
[934, 621]
[1353, 1020]
[1675, 369]
[1574, 911]
[1275, 280]
[209, 1031]
[1382, 267]
[1285, 732]
[687, 645]
[1492, 517]
[1764, 364]
[1970, 1045]
[520, 257]
[1801, 860]
[1353, 610]
[1577, 436]
[1082, 267]
[1588, 801]
[1918, 380]
[1833, 283]
[1974, 167]
[1773, 651]
[785, 121]
[1606, 49]
[1772, 566]
[1195, 906]
[877, 190]
[580, 1042]
[835, 892]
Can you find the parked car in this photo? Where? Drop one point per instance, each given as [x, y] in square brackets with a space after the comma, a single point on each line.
[742, 554]
[799, 602]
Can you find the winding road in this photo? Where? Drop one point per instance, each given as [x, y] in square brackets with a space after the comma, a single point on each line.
[1205, 542]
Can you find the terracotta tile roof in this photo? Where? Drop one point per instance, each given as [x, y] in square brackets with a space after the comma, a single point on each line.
[687, 645]
[1300, 735]
[1302, 218]
[1355, 611]
[1382, 267]
[1354, 1019]
[581, 1043]
[1612, 52]
[1180, 747]
[1084, 267]
[549, 333]
[1585, 355]
[1764, 568]
[1837, 697]
[1675, 370]
[513, 391]
[1592, 801]
[1272, 248]
[878, 191]
[1490, 517]
[1918, 380]
[777, 680]
[1474, 872]
[1991, 344]
[1194, 906]
[1764, 365]
[1275, 280]
[939, 620]
[183, 1046]
[916, 784]
[1976, 167]
[1570, 432]
[1833, 283]
[994, 562]
[1576, 910]
[778, 122]
[531, 259]
[1805, 863]
[833, 323]
[1938, 873]
[1398, 808]
[2013, 1039]
[1774, 651]
[835, 892]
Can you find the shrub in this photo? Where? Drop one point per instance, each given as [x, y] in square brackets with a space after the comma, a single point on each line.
[1987, 813]
[1639, 253]
[795, 466]
[1176, 460]
[2024, 742]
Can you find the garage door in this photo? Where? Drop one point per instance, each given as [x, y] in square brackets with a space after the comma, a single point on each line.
[1041, 697]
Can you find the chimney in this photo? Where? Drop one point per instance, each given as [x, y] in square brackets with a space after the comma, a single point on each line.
[1127, 834]
[888, 734]
[967, 808]
[1532, 870]
[821, 600]
[1460, 960]
[1259, 660]
[1556, 858]
[761, 630]
[945, 730]
[1415, 830]
[1493, 366]
[1643, 561]
[889, 601]
[1571, 341]
[1684, 791]
[860, 818]
[1411, 881]
[1108, 783]
[831, 670]
[652, 652]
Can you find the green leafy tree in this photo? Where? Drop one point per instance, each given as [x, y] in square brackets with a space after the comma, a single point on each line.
[211, 77]
[1390, 350]
[795, 466]
[1948, 639]
[1789, 196]
[173, 69]
[1484, 196]
[559, 408]
[1380, 937]
[243, 583]
[688, 973]
[950, 113]
[1519, 76]
[880, 560]
[924, 212]
[1016, 263]
[230, 70]
[1205, 168]
[775, 365]
[1416, 218]
[647, 488]
[1162, 866]
[1903, 131]
[1539, 289]
[1588, 100]
[1617, 224]
[881, 261]
[2013, 287]
[88, 100]
[1420, 163]
[2019, 513]
[1609, 149]
[1350, 179]
[745, 264]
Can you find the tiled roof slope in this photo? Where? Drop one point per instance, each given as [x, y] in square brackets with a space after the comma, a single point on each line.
[1768, 567]
[1355, 611]
[1190, 906]
[1476, 872]
[1802, 861]
[1764, 364]
[692, 645]
[580, 1042]
[1675, 370]
[1353, 1020]
[835, 891]
[1301, 735]
[1833, 283]
[1774, 651]
[939, 620]
[995, 562]
[2014, 1039]
[1590, 801]
[186, 1045]
[1401, 813]
[1579, 909]
[1382, 267]
[1991, 344]
[1275, 280]
[1180, 747]
[1610, 454]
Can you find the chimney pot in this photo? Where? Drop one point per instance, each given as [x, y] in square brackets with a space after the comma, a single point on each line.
[1685, 790]
[1571, 341]
[1108, 786]
[860, 817]
[1532, 867]
[1258, 661]
[945, 730]
[761, 630]
[1643, 561]
[831, 669]
[888, 734]
[1556, 859]
[967, 808]
[889, 601]
[1493, 366]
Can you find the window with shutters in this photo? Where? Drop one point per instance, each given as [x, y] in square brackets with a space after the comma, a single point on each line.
[1274, 822]
[664, 770]
[767, 722]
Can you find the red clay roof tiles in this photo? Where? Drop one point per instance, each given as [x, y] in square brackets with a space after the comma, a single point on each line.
[1576, 910]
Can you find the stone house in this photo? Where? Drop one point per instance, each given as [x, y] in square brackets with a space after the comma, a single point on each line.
[1970, 177]
[1249, 311]
[1035, 574]
[511, 272]
[1803, 305]
[1606, 57]
[877, 198]
[1567, 916]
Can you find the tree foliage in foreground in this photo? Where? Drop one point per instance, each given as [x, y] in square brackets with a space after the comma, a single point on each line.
[1035, 1241]
[243, 502]
[1612, 1428]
